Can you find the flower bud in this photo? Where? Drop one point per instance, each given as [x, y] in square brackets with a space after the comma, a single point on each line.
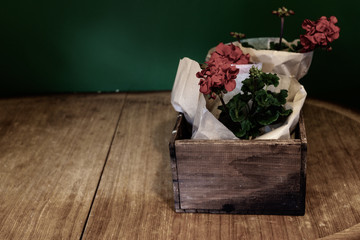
[255, 72]
[283, 12]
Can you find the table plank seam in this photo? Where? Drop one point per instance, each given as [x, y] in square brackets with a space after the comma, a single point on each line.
[103, 168]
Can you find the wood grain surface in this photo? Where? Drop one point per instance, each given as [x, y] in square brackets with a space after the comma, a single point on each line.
[53, 149]
[240, 176]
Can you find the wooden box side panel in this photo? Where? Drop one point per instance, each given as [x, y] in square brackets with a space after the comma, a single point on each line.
[181, 130]
[249, 177]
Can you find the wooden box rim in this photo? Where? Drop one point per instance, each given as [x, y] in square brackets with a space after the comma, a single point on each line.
[300, 132]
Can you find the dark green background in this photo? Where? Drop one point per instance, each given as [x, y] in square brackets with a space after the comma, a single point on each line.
[87, 46]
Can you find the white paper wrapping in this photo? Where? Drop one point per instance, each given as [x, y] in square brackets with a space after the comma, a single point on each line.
[185, 93]
[203, 113]
[285, 63]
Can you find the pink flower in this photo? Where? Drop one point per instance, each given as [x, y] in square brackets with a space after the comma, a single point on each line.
[320, 38]
[319, 33]
[230, 54]
[333, 33]
[229, 78]
[201, 74]
[333, 19]
[220, 74]
[204, 86]
[308, 42]
[244, 59]
[322, 25]
[309, 26]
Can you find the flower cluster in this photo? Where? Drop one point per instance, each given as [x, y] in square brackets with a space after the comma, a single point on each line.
[220, 73]
[319, 33]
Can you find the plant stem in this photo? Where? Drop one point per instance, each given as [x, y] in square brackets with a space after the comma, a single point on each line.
[223, 103]
[282, 20]
[248, 108]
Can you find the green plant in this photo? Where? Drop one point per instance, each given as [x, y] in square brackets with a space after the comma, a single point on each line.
[255, 107]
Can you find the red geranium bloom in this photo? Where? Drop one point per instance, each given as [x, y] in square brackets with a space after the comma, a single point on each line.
[230, 54]
[221, 72]
[230, 74]
[204, 86]
[308, 42]
[309, 26]
[319, 33]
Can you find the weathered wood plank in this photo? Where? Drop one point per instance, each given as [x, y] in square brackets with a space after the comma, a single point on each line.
[333, 170]
[52, 151]
[136, 188]
[352, 233]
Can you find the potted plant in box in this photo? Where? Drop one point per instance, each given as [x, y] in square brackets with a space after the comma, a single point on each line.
[241, 176]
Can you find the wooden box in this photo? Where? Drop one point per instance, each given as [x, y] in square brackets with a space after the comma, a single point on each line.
[238, 176]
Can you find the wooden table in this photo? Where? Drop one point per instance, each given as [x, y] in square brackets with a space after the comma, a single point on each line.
[96, 166]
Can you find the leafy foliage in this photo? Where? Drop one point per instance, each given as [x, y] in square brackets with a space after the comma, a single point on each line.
[296, 47]
[276, 46]
[247, 112]
[292, 48]
[247, 45]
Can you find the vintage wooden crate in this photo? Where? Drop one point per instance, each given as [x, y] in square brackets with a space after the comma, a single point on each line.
[238, 176]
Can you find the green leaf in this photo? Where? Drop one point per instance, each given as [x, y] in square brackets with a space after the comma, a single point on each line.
[251, 85]
[261, 98]
[266, 99]
[240, 133]
[246, 125]
[270, 79]
[284, 112]
[237, 107]
[247, 45]
[281, 96]
[276, 46]
[296, 47]
[245, 97]
[268, 118]
[236, 115]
